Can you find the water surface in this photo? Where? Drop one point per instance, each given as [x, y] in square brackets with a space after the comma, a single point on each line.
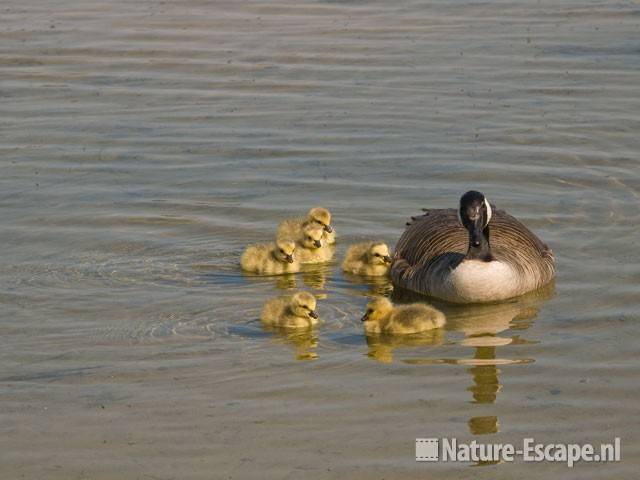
[144, 144]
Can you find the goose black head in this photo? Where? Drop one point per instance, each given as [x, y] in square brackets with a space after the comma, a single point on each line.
[474, 214]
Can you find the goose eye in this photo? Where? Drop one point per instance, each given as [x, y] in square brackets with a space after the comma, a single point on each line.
[281, 251]
[377, 254]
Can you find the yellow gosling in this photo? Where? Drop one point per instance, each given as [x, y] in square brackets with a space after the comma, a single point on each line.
[318, 216]
[297, 311]
[383, 317]
[270, 258]
[310, 247]
[368, 258]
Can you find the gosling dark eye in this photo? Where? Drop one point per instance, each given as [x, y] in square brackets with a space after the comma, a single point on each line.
[377, 254]
[281, 251]
[305, 306]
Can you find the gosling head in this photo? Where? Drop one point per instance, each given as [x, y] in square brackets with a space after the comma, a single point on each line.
[474, 214]
[379, 254]
[303, 304]
[312, 236]
[284, 251]
[377, 309]
[322, 217]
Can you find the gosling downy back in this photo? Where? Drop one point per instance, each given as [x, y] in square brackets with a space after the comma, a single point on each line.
[296, 311]
[367, 258]
[476, 253]
[382, 316]
[318, 216]
[270, 258]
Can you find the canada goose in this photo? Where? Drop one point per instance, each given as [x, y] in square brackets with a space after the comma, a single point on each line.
[270, 258]
[367, 258]
[447, 254]
[310, 247]
[383, 317]
[317, 216]
[297, 311]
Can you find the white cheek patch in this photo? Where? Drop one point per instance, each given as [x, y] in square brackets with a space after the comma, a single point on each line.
[486, 202]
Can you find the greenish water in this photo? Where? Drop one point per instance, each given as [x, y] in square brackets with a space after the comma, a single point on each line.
[144, 144]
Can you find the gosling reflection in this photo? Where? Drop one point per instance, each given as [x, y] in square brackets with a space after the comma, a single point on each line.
[303, 341]
[380, 285]
[315, 276]
[382, 347]
[286, 282]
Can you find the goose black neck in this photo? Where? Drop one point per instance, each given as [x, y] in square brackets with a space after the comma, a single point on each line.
[479, 247]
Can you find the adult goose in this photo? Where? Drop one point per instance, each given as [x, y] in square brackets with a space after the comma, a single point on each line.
[472, 255]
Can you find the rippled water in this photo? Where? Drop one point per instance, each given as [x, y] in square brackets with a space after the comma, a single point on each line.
[145, 143]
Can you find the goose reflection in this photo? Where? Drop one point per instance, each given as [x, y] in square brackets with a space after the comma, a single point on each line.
[484, 425]
[485, 329]
[304, 342]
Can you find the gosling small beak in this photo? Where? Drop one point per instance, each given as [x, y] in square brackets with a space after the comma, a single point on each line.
[328, 229]
[317, 243]
[387, 259]
[364, 318]
[313, 314]
[290, 258]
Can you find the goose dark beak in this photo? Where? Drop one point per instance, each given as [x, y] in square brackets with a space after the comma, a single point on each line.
[290, 258]
[475, 233]
[364, 318]
[313, 314]
[328, 229]
[317, 243]
[479, 248]
[387, 259]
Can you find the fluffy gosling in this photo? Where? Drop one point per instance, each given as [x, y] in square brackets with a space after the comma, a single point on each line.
[318, 216]
[297, 311]
[382, 317]
[270, 258]
[368, 258]
[310, 247]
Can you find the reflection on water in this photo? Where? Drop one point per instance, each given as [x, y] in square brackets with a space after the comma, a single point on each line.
[381, 347]
[303, 341]
[485, 329]
[315, 276]
[485, 386]
[286, 282]
[484, 425]
[380, 285]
